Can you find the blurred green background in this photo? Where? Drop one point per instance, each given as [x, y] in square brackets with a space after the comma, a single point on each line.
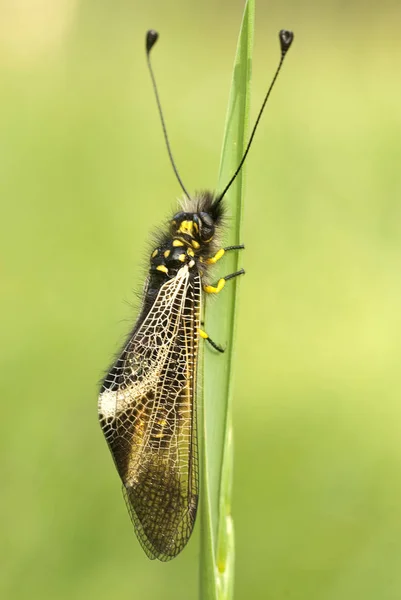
[84, 178]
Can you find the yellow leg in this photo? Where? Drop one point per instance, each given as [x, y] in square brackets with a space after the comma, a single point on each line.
[211, 289]
[213, 259]
[220, 253]
[205, 336]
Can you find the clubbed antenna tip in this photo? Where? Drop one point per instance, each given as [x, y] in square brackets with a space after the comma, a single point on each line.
[151, 38]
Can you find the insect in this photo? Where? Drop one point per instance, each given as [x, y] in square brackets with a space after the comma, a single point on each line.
[147, 402]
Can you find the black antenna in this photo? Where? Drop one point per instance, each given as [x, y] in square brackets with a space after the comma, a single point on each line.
[286, 38]
[151, 39]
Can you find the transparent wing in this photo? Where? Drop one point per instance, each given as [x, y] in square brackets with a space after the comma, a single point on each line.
[147, 410]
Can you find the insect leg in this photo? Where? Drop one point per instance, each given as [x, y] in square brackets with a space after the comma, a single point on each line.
[211, 289]
[206, 337]
[239, 247]
[220, 253]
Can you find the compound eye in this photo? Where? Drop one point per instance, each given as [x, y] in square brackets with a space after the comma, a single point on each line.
[207, 229]
[206, 219]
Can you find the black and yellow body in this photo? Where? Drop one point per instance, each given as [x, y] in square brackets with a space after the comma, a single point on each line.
[147, 402]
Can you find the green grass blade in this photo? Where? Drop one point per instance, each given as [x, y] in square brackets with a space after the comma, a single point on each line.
[217, 531]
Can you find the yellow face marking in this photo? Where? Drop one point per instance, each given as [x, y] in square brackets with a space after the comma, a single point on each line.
[166, 253]
[186, 227]
[210, 289]
[190, 252]
[155, 253]
[196, 226]
[162, 268]
[182, 257]
[213, 259]
[177, 243]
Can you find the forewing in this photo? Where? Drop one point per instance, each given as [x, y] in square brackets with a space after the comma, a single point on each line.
[147, 410]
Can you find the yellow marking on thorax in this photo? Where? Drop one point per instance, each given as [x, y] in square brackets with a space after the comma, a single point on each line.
[166, 253]
[162, 268]
[178, 242]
